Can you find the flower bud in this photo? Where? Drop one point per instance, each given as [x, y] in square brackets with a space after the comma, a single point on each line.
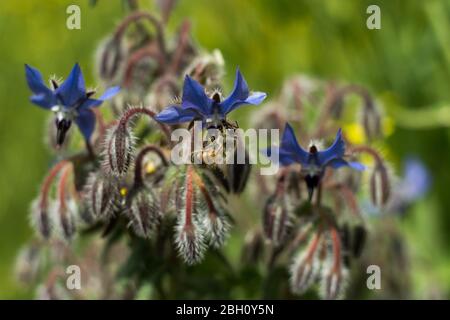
[333, 284]
[118, 150]
[143, 212]
[253, 248]
[110, 56]
[380, 185]
[276, 220]
[216, 227]
[100, 195]
[64, 215]
[28, 264]
[190, 242]
[371, 120]
[305, 269]
[40, 218]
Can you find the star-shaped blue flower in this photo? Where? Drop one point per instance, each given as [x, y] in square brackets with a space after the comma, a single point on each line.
[196, 105]
[313, 162]
[69, 101]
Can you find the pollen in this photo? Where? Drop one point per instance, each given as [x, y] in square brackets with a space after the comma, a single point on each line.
[355, 133]
[150, 167]
[123, 191]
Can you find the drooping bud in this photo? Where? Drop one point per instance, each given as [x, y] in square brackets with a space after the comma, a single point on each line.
[100, 194]
[276, 220]
[189, 235]
[110, 56]
[380, 185]
[65, 206]
[40, 209]
[253, 247]
[334, 275]
[215, 219]
[306, 266]
[64, 215]
[118, 150]
[190, 242]
[216, 227]
[40, 217]
[333, 284]
[27, 264]
[371, 119]
[143, 212]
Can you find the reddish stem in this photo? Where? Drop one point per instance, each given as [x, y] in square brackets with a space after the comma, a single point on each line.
[62, 189]
[189, 197]
[130, 113]
[138, 15]
[337, 249]
[48, 182]
[182, 44]
[372, 152]
[137, 56]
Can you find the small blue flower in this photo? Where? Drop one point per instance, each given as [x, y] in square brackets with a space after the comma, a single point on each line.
[69, 101]
[416, 180]
[196, 105]
[314, 161]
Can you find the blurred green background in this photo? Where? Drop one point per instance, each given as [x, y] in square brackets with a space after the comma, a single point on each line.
[406, 65]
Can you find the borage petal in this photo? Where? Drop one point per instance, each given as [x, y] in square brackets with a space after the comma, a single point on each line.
[290, 146]
[339, 162]
[109, 93]
[43, 100]
[240, 92]
[254, 99]
[175, 114]
[86, 122]
[336, 150]
[43, 96]
[281, 156]
[91, 103]
[72, 89]
[194, 97]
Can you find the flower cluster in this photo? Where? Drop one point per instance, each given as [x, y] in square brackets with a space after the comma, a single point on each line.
[125, 188]
[318, 228]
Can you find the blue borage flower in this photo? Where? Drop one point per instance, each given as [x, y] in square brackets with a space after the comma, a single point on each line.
[196, 105]
[313, 162]
[69, 101]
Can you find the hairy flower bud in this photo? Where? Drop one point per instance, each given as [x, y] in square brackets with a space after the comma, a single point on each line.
[143, 212]
[189, 235]
[64, 215]
[100, 194]
[40, 218]
[216, 228]
[27, 264]
[306, 267]
[110, 55]
[190, 242]
[118, 150]
[276, 220]
[333, 284]
[371, 119]
[380, 185]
